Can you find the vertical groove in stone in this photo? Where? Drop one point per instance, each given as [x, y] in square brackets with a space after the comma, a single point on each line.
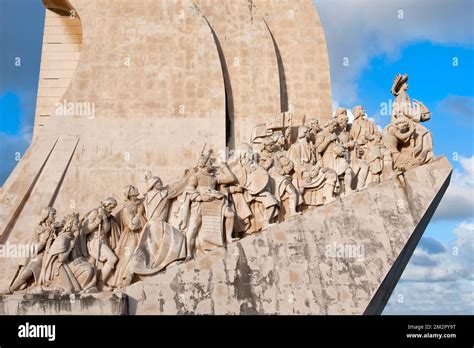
[299, 35]
[251, 67]
[281, 74]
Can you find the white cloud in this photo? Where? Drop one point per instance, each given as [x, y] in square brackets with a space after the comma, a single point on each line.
[457, 262]
[448, 298]
[438, 282]
[458, 106]
[458, 202]
[363, 29]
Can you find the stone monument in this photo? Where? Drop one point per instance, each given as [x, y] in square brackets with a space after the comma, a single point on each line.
[186, 160]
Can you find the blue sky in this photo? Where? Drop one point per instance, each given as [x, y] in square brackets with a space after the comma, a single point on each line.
[380, 38]
[21, 36]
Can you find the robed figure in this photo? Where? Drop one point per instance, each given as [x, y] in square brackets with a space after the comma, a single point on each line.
[160, 244]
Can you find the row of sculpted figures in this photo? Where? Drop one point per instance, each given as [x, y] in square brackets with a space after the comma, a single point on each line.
[282, 171]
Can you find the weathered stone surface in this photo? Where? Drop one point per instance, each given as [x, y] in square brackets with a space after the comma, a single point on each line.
[294, 267]
[62, 44]
[301, 44]
[249, 62]
[55, 304]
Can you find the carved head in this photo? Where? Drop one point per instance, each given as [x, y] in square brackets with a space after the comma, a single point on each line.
[400, 83]
[280, 140]
[48, 215]
[378, 136]
[268, 144]
[342, 118]
[131, 192]
[205, 160]
[331, 126]
[248, 156]
[303, 132]
[71, 224]
[157, 183]
[403, 123]
[313, 126]
[153, 182]
[358, 111]
[109, 205]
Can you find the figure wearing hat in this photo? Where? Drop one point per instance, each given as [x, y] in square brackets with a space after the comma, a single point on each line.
[280, 168]
[30, 267]
[315, 182]
[362, 129]
[421, 144]
[202, 192]
[160, 244]
[99, 236]
[132, 220]
[64, 268]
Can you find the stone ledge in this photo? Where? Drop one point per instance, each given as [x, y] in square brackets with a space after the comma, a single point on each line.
[57, 304]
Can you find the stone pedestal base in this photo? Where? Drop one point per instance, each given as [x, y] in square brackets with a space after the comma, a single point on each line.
[56, 304]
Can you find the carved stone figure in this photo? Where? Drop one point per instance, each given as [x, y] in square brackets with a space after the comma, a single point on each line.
[362, 129]
[313, 129]
[315, 182]
[161, 244]
[132, 221]
[244, 215]
[421, 144]
[360, 167]
[253, 190]
[30, 267]
[64, 269]
[396, 137]
[280, 168]
[202, 202]
[379, 159]
[280, 144]
[334, 155]
[99, 237]
[348, 145]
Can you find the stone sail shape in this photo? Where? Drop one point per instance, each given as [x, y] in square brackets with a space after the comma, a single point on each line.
[148, 94]
[303, 57]
[298, 267]
[249, 63]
